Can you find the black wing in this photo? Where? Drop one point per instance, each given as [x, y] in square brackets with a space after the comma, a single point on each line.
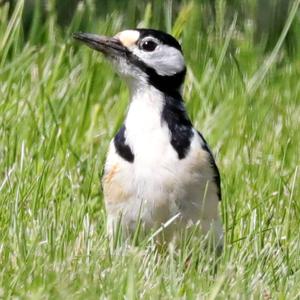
[217, 177]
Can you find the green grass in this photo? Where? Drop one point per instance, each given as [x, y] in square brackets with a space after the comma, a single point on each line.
[60, 104]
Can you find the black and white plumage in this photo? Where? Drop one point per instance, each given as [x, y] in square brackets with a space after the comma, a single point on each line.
[159, 167]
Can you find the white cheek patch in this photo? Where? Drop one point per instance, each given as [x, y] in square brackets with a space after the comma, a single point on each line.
[128, 37]
[165, 60]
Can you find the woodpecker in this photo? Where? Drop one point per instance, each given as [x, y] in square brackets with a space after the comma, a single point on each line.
[159, 171]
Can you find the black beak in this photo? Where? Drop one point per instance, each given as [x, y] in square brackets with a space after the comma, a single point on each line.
[107, 45]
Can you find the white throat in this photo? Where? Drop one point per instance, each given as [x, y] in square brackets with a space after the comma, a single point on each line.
[144, 113]
[146, 134]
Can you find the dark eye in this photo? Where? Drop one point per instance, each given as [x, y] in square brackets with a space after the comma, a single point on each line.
[148, 45]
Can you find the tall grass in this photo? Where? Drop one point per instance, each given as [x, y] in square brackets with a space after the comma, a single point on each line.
[59, 107]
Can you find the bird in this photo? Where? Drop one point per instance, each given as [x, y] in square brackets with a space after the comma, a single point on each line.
[159, 173]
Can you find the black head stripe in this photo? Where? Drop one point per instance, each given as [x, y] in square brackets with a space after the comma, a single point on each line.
[169, 85]
[163, 37]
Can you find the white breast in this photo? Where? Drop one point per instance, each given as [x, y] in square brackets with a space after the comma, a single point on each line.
[157, 185]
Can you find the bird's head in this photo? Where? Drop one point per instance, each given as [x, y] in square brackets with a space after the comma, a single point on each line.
[144, 56]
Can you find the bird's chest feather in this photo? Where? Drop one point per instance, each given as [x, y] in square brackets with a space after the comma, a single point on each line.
[157, 183]
[156, 187]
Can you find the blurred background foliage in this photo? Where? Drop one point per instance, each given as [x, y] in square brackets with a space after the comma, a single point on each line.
[267, 17]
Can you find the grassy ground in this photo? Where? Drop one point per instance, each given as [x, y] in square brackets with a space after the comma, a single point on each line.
[59, 107]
